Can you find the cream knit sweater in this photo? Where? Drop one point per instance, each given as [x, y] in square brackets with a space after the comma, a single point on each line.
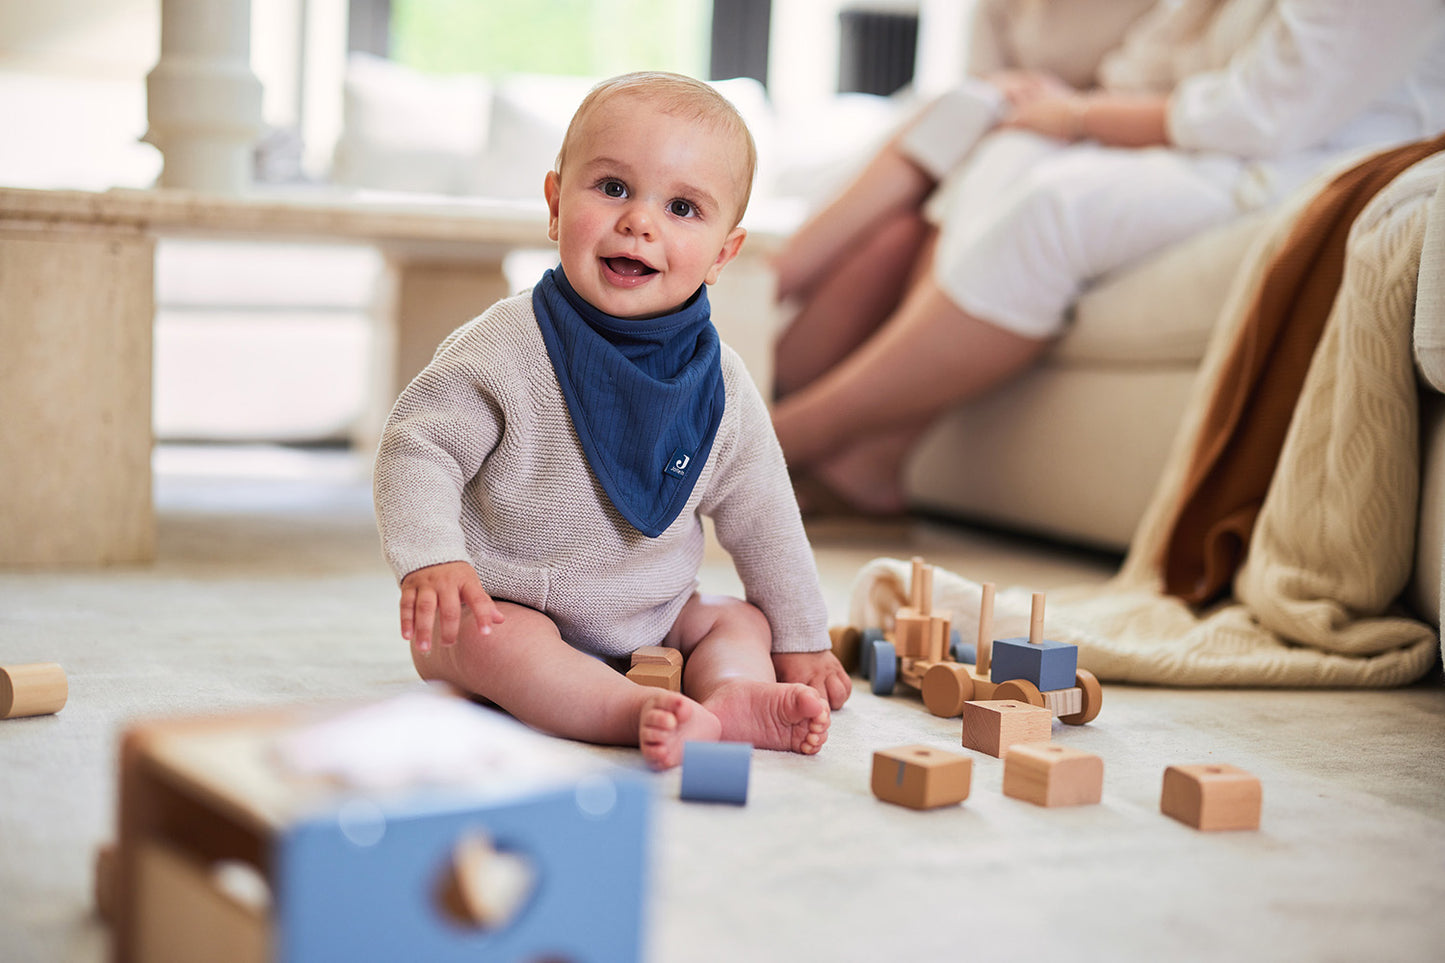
[479, 461]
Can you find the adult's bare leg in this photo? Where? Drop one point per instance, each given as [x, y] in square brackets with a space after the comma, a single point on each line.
[888, 185]
[868, 475]
[857, 295]
[929, 355]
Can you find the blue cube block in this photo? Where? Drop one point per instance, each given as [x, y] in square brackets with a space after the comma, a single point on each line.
[1048, 664]
[364, 887]
[716, 771]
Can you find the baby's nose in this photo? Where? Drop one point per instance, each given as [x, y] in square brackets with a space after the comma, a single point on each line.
[636, 219]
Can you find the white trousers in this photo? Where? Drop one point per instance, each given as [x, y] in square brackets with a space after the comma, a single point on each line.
[1026, 222]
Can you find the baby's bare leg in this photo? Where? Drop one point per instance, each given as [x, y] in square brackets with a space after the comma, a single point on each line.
[525, 667]
[729, 669]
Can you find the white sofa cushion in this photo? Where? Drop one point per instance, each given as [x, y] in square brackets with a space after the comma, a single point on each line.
[1162, 310]
[405, 130]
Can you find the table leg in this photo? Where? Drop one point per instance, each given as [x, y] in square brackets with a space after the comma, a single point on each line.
[75, 395]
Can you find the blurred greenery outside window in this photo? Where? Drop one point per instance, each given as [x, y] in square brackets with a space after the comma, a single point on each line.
[591, 38]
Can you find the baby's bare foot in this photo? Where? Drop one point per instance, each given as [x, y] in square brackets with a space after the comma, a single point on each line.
[668, 720]
[772, 715]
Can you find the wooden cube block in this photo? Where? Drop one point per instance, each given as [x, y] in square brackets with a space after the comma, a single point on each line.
[660, 675]
[656, 655]
[910, 634]
[1212, 796]
[992, 726]
[1050, 775]
[1047, 664]
[921, 777]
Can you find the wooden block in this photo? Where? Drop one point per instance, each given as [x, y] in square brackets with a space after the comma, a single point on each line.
[1064, 702]
[660, 675]
[656, 655]
[36, 689]
[1051, 775]
[1047, 664]
[1212, 796]
[921, 777]
[994, 725]
[910, 633]
[939, 624]
[847, 643]
[983, 647]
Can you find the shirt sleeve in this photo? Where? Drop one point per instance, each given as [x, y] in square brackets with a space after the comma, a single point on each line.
[756, 519]
[441, 429]
[1312, 66]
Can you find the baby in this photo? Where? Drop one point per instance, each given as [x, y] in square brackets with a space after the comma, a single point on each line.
[540, 486]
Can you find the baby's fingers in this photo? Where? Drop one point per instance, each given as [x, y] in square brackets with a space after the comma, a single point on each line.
[418, 609]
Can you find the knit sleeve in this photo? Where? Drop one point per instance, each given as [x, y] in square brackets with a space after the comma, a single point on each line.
[756, 519]
[440, 430]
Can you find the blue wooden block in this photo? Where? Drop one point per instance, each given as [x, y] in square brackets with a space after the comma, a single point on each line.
[1048, 665]
[716, 771]
[364, 887]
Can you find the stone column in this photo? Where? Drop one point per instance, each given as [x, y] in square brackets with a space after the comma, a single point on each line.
[202, 100]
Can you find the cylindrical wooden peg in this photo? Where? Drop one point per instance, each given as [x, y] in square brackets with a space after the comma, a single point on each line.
[37, 689]
[915, 585]
[1036, 619]
[984, 648]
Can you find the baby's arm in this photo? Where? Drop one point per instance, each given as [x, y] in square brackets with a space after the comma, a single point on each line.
[755, 517]
[444, 590]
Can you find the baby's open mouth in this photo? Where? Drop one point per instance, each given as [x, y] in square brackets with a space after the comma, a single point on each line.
[628, 267]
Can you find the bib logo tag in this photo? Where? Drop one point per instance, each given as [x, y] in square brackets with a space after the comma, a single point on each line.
[678, 464]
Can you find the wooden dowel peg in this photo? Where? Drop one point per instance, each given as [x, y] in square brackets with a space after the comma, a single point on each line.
[37, 689]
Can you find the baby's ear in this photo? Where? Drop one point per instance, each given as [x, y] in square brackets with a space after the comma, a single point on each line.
[552, 191]
[730, 248]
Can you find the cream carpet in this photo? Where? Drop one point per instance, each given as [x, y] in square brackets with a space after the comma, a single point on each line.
[270, 590]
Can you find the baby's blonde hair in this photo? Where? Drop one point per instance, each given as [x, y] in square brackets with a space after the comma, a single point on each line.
[679, 96]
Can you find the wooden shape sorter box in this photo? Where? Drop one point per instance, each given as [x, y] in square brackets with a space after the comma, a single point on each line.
[535, 865]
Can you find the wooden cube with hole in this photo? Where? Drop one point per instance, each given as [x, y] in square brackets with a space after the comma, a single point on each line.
[992, 726]
[921, 777]
[1212, 796]
[235, 845]
[1047, 774]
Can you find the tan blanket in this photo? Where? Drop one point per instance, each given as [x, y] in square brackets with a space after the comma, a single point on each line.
[1333, 544]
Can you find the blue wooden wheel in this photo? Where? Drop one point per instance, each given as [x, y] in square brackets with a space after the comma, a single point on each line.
[884, 667]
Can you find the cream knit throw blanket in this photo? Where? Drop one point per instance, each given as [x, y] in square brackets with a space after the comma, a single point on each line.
[1333, 546]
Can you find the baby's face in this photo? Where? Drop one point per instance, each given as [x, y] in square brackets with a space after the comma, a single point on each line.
[643, 212]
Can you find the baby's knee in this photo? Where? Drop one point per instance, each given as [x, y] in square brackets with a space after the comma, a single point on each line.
[748, 619]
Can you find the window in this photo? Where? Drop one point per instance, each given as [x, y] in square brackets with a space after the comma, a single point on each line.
[574, 37]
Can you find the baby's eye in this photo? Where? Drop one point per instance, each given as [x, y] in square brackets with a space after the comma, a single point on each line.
[681, 208]
[613, 188]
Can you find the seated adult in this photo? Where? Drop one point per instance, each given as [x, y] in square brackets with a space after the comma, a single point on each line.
[939, 274]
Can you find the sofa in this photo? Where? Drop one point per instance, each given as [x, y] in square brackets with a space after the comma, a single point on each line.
[1073, 450]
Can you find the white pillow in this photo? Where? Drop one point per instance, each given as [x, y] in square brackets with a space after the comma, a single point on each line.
[405, 130]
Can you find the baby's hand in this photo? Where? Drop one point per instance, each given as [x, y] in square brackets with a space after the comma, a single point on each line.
[441, 593]
[821, 670]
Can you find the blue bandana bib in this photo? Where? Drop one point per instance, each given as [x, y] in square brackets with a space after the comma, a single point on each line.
[646, 397]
